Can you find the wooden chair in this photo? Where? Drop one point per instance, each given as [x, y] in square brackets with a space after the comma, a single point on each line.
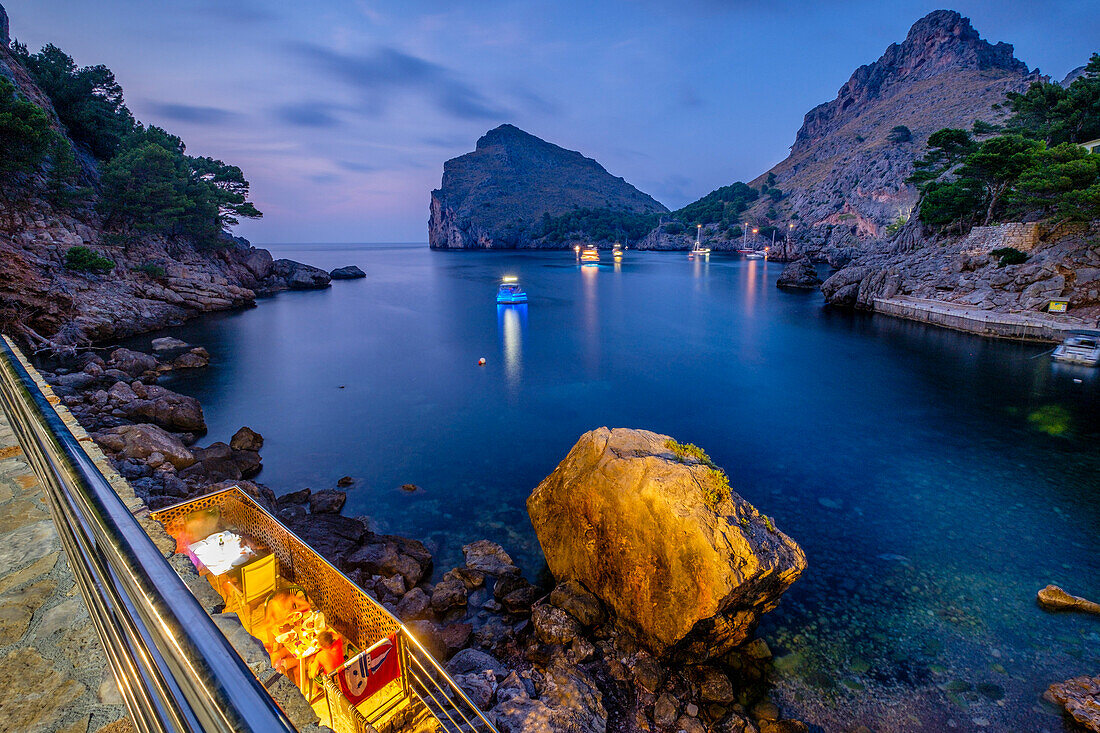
[258, 580]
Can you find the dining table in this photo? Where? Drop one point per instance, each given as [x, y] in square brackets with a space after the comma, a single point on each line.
[222, 552]
[299, 637]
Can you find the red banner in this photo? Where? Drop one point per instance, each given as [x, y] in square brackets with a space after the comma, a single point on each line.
[369, 672]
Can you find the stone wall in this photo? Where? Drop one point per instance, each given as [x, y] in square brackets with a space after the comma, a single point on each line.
[983, 240]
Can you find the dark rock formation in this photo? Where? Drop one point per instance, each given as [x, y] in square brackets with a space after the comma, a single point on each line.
[800, 274]
[5, 38]
[147, 443]
[246, 439]
[351, 272]
[633, 524]
[494, 197]
[960, 271]
[297, 276]
[1080, 697]
[327, 501]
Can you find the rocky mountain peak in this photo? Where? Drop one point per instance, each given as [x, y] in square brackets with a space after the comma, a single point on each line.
[939, 43]
[4, 37]
[945, 35]
[506, 135]
[494, 196]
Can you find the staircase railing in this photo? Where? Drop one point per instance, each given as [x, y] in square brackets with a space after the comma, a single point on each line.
[174, 668]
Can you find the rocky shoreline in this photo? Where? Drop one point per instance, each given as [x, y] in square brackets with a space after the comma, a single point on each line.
[553, 657]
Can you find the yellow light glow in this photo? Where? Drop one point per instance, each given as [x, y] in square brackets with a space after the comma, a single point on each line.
[510, 279]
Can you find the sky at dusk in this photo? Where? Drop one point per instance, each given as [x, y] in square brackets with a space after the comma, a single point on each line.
[341, 112]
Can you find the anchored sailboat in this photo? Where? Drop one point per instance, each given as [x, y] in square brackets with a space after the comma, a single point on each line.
[699, 249]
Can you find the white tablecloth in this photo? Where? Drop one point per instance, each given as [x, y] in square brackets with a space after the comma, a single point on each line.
[221, 552]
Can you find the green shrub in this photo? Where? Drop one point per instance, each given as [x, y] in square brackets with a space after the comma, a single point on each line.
[689, 450]
[900, 134]
[1009, 256]
[717, 488]
[153, 271]
[24, 131]
[83, 259]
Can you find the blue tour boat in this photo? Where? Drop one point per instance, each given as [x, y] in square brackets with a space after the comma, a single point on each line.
[510, 292]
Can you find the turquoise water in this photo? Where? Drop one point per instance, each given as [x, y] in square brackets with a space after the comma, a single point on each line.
[936, 480]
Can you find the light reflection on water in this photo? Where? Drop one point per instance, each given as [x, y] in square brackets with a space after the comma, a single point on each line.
[513, 322]
[936, 480]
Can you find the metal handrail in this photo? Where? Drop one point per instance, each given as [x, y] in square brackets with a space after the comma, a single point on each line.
[174, 668]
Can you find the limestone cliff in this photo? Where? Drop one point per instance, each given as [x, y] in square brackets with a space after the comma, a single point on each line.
[495, 196]
[844, 180]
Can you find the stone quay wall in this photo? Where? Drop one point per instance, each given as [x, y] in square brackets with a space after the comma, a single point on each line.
[983, 240]
[1027, 327]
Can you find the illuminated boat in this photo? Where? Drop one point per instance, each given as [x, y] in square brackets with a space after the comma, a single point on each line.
[754, 255]
[617, 252]
[510, 292]
[1080, 347]
[698, 249]
[590, 256]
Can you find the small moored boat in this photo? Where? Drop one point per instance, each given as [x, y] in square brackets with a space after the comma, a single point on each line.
[1080, 347]
[590, 255]
[510, 292]
[617, 252]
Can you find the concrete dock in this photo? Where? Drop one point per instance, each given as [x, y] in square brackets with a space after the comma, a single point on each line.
[1027, 326]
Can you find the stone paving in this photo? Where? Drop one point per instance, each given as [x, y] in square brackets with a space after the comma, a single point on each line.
[54, 675]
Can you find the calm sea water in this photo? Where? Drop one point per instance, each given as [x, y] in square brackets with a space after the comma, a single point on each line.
[936, 480]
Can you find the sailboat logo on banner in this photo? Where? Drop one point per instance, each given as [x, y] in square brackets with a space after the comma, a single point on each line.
[367, 673]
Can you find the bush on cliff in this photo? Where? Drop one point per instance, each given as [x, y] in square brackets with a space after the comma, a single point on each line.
[1008, 256]
[1057, 114]
[83, 259]
[24, 131]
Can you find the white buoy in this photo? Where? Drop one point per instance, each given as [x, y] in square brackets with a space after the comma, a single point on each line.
[481, 361]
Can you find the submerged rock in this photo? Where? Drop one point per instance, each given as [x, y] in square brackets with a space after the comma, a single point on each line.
[628, 519]
[1080, 697]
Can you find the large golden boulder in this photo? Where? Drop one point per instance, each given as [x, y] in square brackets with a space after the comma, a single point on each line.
[653, 530]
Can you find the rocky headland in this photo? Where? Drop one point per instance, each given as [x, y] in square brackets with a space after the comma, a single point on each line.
[131, 279]
[496, 196]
